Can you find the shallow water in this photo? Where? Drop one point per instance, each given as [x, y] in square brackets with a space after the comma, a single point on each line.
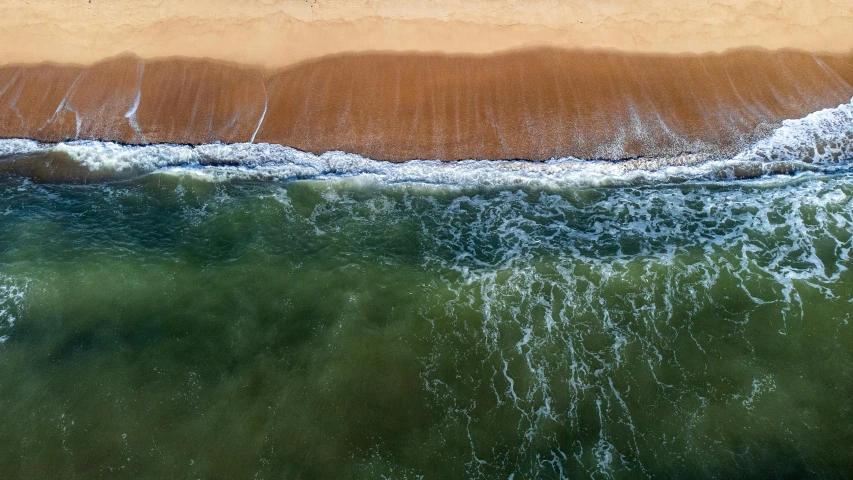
[171, 326]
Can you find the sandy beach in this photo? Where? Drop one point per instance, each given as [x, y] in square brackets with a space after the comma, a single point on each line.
[443, 80]
[281, 33]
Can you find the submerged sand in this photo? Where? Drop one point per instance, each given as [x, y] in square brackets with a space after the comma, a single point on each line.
[528, 104]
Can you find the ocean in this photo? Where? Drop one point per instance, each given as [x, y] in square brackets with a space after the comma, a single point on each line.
[235, 311]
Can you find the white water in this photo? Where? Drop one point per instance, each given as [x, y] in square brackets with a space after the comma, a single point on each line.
[11, 300]
[821, 141]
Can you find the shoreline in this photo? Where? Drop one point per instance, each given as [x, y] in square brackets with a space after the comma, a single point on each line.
[789, 151]
[531, 104]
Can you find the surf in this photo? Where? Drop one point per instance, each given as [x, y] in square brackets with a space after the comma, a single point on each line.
[821, 142]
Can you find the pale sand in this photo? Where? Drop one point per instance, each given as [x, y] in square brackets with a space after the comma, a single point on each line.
[528, 104]
[279, 33]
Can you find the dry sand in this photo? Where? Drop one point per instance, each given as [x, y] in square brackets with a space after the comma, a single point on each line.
[279, 33]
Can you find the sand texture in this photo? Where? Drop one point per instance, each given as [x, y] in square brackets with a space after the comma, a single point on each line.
[446, 79]
[527, 104]
[280, 33]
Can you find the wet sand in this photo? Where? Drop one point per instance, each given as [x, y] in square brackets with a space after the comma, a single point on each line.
[530, 104]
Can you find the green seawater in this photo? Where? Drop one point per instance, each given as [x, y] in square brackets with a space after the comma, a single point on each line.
[171, 327]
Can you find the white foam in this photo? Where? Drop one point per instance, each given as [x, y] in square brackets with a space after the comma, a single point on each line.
[824, 138]
[108, 156]
[11, 301]
[18, 146]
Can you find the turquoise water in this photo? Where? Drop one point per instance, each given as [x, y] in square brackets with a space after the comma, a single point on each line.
[171, 326]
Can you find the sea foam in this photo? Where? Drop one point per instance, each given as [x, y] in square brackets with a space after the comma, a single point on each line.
[11, 301]
[821, 141]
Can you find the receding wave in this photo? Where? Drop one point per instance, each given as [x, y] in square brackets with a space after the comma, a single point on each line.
[529, 104]
[819, 142]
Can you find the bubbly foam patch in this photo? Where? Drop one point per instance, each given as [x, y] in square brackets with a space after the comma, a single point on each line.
[11, 302]
[825, 136]
[18, 146]
[820, 141]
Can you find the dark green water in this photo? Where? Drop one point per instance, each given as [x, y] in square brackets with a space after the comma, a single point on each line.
[167, 327]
